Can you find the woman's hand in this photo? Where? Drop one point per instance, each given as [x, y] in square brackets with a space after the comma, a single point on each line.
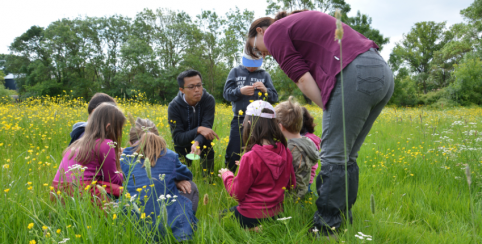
[309, 87]
[222, 171]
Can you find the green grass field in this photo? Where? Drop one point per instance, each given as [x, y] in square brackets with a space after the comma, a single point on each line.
[413, 162]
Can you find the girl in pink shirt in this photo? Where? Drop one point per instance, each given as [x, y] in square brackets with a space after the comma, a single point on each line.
[265, 170]
[94, 158]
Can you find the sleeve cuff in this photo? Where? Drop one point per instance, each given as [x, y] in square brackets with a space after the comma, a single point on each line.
[226, 175]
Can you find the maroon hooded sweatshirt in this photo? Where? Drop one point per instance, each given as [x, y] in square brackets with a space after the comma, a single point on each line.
[263, 173]
[305, 42]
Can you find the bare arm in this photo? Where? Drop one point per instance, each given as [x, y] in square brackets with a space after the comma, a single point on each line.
[309, 87]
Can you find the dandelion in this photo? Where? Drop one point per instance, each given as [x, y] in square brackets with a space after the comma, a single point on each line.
[30, 226]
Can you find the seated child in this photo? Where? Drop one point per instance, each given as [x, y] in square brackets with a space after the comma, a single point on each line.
[307, 130]
[79, 128]
[305, 154]
[96, 152]
[168, 174]
[265, 169]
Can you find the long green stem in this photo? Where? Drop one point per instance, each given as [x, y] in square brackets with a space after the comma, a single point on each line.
[344, 134]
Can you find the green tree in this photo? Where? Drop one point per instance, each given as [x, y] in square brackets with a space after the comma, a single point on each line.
[416, 50]
[467, 87]
[363, 24]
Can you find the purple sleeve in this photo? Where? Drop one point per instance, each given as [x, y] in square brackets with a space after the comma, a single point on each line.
[278, 41]
[109, 169]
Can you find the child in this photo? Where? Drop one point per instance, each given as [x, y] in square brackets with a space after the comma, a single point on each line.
[97, 152]
[307, 130]
[305, 155]
[181, 205]
[245, 83]
[79, 128]
[264, 171]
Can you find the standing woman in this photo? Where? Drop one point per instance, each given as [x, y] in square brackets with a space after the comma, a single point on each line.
[303, 45]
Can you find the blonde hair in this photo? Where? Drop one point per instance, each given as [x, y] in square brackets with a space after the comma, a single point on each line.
[290, 115]
[105, 114]
[145, 138]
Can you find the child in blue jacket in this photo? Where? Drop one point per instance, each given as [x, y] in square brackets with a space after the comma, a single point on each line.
[245, 83]
[171, 182]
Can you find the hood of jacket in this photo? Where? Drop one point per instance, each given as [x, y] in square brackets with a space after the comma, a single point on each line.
[78, 125]
[308, 147]
[273, 158]
[315, 139]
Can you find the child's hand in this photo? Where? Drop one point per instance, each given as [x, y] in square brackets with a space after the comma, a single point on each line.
[237, 162]
[222, 171]
[247, 90]
[260, 86]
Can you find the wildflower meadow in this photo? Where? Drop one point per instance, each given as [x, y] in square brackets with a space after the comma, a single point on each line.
[420, 181]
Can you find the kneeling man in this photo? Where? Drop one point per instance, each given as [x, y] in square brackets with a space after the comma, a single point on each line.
[191, 117]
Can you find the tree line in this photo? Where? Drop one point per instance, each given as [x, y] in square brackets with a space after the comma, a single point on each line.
[123, 56]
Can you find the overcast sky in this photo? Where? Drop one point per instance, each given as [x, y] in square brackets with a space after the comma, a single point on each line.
[392, 17]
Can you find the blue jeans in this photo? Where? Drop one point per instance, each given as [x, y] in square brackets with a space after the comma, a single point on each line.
[368, 85]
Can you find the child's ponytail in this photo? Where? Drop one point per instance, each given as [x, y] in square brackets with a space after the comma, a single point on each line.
[146, 140]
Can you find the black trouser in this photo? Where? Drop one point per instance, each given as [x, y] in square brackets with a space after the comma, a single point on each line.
[245, 222]
[193, 196]
[235, 143]
[207, 154]
[331, 203]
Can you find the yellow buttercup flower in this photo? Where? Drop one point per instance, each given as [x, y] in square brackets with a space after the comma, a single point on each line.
[44, 227]
[259, 94]
[143, 215]
[192, 142]
[6, 190]
[32, 242]
[30, 226]
[58, 231]
[240, 112]
[265, 94]
[114, 216]
[212, 144]
[251, 101]
[204, 146]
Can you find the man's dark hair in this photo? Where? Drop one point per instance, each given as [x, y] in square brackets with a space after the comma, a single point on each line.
[99, 98]
[187, 73]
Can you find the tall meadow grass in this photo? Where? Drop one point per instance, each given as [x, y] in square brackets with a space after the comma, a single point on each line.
[413, 163]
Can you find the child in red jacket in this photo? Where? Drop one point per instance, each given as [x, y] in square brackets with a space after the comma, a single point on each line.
[265, 170]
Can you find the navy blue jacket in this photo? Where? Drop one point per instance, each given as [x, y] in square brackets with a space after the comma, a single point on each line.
[185, 119]
[239, 77]
[180, 215]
